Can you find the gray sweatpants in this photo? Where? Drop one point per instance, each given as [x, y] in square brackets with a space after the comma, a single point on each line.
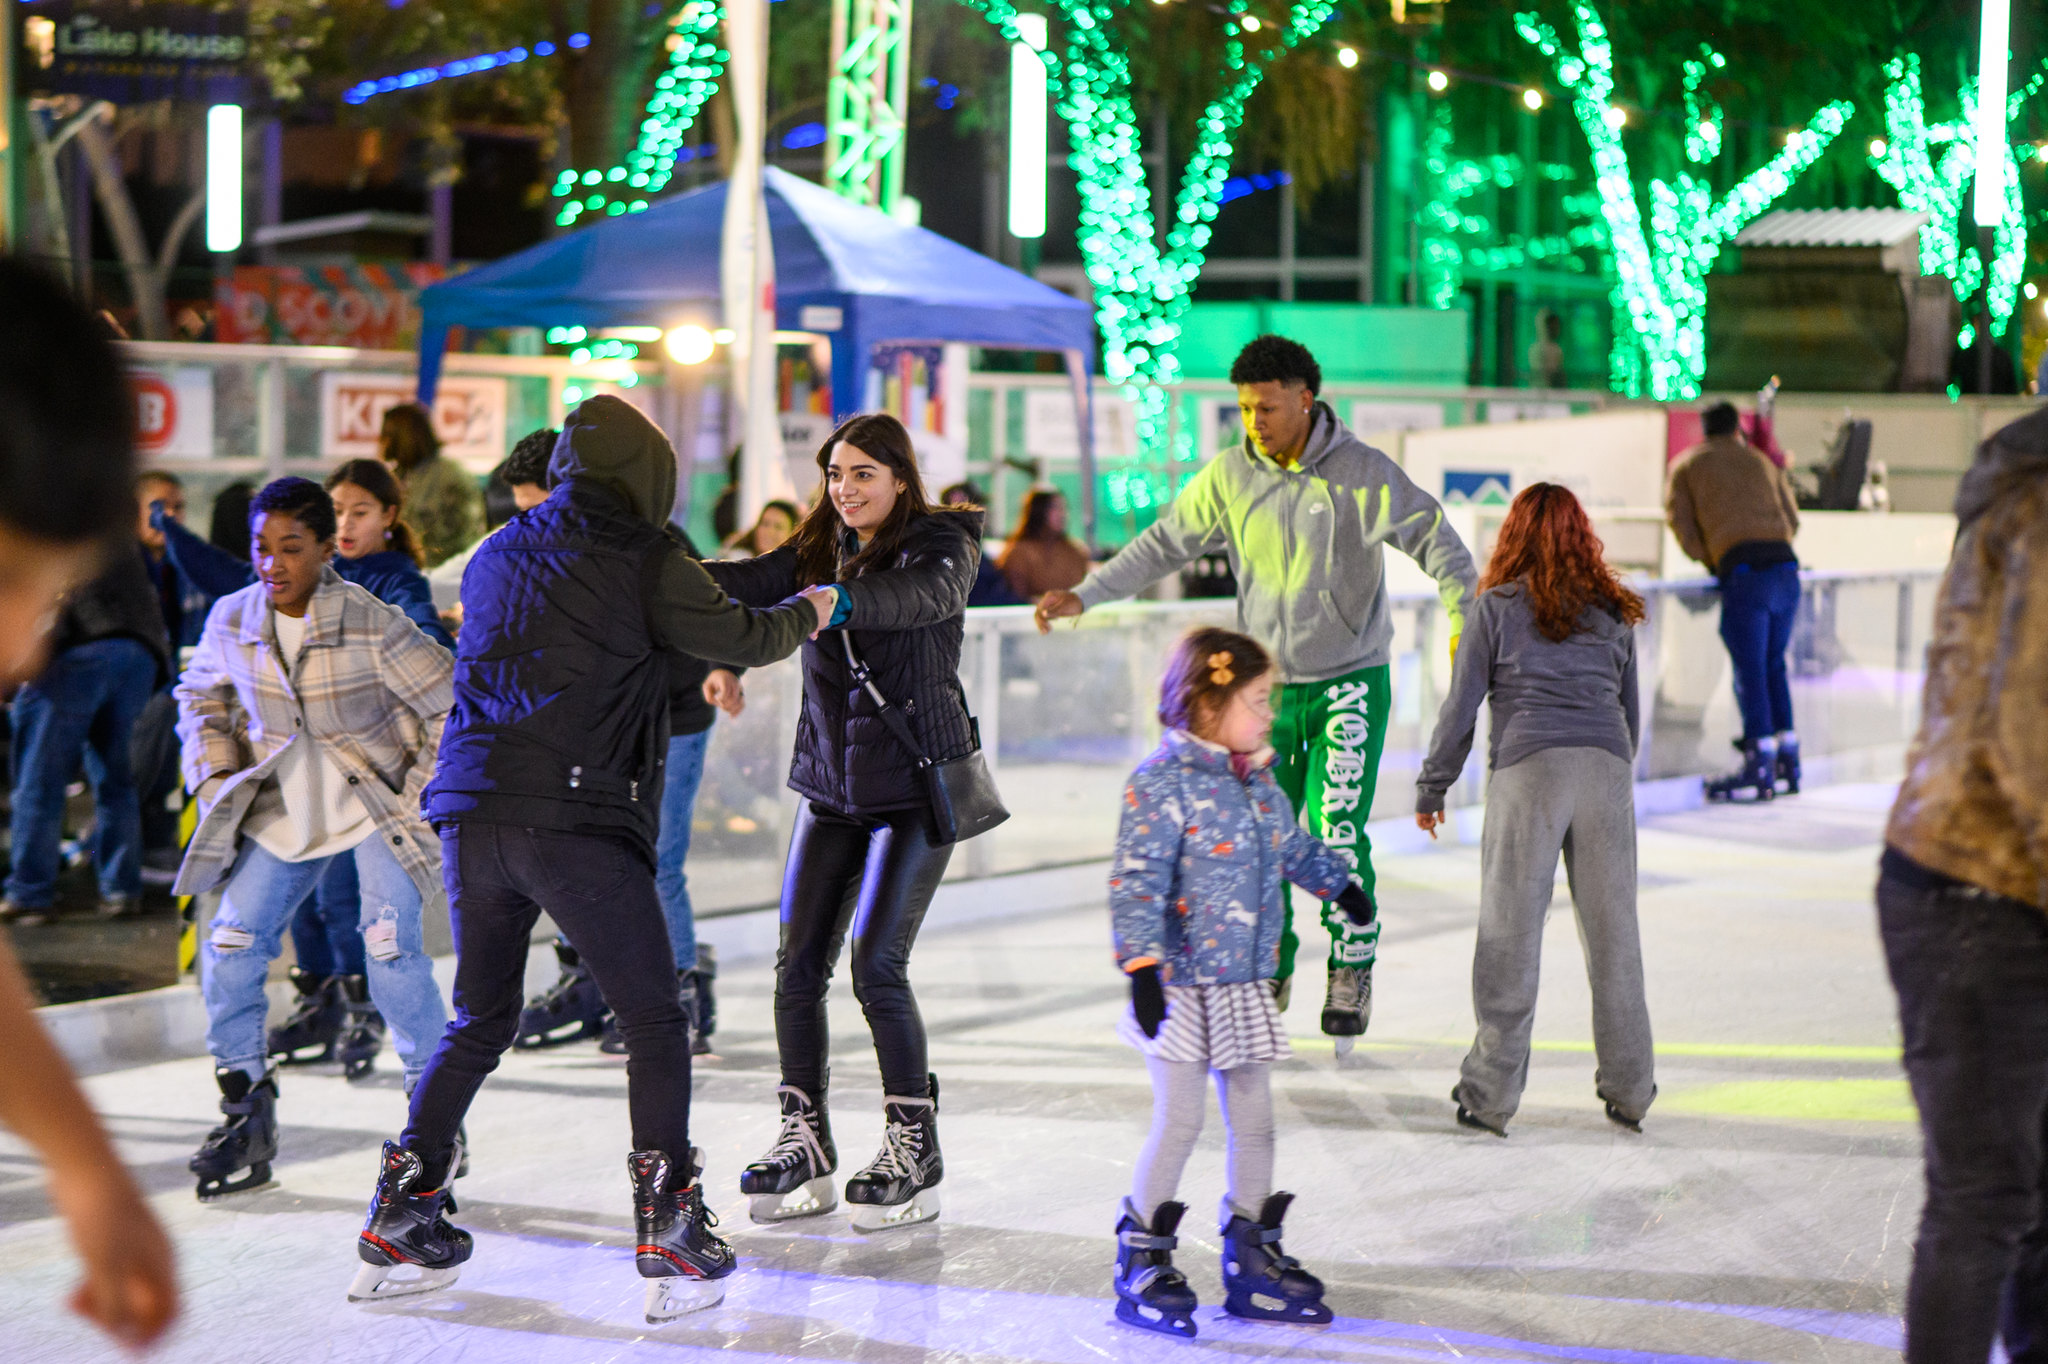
[1578, 801]
[1246, 1093]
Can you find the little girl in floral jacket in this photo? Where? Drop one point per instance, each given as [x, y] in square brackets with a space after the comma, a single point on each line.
[1205, 842]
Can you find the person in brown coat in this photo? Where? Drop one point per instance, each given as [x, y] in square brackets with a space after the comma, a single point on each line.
[1962, 902]
[1040, 557]
[1732, 509]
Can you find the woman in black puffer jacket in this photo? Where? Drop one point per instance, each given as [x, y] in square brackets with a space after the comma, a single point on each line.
[864, 853]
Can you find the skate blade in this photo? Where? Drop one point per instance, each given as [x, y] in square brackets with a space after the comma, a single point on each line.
[1343, 1045]
[1277, 1311]
[679, 1295]
[919, 1207]
[374, 1283]
[813, 1198]
[255, 1181]
[1152, 1319]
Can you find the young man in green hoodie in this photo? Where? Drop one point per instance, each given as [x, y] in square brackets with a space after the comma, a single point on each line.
[1304, 508]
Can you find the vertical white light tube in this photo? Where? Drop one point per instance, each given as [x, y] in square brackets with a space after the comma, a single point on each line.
[1027, 129]
[1991, 91]
[224, 177]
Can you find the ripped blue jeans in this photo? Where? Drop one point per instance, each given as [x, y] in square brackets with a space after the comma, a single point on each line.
[260, 897]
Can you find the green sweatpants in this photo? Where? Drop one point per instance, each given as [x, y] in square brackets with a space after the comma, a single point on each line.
[1327, 738]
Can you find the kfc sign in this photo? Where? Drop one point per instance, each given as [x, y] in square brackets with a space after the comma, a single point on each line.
[469, 416]
[173, 412]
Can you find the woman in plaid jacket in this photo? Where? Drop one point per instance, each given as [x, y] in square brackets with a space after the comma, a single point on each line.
[310, 715]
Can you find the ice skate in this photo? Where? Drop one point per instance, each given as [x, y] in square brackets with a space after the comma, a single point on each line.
[707, 1002]
[1261, 1282]
[1347, 1005]
[364, 1036]
[407, 1244]
[1150, 1293]
[1757, 773]
[795, 1178]
[899, 1189]
[308, 1034]
[676, 1251]
[569, 1010]
[246, 1139]
[613, 1043]
[1788, 762]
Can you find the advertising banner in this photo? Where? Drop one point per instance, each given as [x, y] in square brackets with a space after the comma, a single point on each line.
[374, 306]
[132, 52]
[469, 415]
[173, 411]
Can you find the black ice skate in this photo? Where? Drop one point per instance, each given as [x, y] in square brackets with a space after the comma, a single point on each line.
[1347, 1005]
[795, 1178]
[407, 1243]
[1757, 773]
[707, 1002]
[1788, 762]
[308, 1034]
[899, 1189]
[1150, 1292]
[364, 1037]
[569, 1010]
[1260, 1281]
[613, 1043]
[676, 1251]
[245, 1140]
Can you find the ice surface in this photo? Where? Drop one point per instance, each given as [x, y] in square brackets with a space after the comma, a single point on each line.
[1766, 1213]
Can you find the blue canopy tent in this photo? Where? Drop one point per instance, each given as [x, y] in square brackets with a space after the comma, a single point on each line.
[840, 268]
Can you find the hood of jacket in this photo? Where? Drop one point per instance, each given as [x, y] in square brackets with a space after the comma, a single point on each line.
[1326, 436]
[2018, 451]
[606, 441]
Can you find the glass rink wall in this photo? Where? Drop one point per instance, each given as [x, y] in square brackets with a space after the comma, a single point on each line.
[1066, 716]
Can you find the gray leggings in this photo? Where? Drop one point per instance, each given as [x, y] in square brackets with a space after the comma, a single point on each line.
[1246, 1093]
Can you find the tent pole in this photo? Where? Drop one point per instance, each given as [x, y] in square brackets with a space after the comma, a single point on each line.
[1084, 427]
[433, 342]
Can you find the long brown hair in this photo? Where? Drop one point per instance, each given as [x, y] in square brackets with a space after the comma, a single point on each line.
[1547, 545]
[407, 437]
[816, 540]
[376, 479]
[1034, 522]
[1207, 667]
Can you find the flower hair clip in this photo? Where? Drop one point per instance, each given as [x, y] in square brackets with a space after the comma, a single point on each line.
[1220, 674]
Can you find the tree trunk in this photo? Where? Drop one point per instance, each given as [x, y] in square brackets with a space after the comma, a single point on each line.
[112, 192]
[604, 85]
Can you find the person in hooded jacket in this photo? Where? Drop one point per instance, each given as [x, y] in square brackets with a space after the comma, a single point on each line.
[1305, 509]
[1962, 906]
[864, 853]
[548, 791]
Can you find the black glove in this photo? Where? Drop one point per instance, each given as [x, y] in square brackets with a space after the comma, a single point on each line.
[1148, 999]
[1356, 904]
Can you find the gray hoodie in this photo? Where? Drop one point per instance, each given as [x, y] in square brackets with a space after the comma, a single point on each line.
[1305, 547]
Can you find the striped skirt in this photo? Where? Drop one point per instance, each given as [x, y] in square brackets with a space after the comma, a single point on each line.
[1219, 1026]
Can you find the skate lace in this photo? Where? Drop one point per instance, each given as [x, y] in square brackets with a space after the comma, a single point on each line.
[902, 1150]
[795, 1144]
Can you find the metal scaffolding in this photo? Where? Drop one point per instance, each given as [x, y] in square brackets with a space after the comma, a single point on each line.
[866, 101]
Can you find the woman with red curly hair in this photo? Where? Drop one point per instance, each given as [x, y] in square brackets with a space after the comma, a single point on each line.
[1551, 645]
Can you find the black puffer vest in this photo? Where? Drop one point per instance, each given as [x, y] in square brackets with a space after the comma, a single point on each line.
[561, 717]
[907, 623]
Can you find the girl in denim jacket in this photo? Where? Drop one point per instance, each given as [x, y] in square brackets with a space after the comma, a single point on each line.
[1197, 915]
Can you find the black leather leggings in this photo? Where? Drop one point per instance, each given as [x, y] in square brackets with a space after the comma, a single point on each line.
[875, 873]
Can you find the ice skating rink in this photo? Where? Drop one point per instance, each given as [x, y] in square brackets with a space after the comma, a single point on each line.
[1766, 1213]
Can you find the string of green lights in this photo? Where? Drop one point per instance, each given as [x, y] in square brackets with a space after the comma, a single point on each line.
[1142, 292]
[1932, 166]
[1660, 272]
[695, 62]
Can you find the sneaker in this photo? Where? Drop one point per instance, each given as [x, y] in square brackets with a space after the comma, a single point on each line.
[119, 906]
[13, 912]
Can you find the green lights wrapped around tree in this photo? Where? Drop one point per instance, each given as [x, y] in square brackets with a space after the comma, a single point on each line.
[695, 61]
[1455, 239]
[1141, 292]
[1932, 166]
[1660, 268]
